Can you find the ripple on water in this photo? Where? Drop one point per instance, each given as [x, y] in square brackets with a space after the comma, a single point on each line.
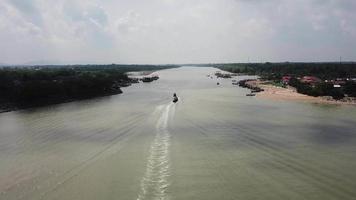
[155, 182]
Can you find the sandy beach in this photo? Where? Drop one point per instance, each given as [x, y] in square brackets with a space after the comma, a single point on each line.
[290, 93]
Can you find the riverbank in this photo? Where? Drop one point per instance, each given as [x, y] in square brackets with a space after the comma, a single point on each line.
[290, 94]
[28, 87]
[213, 143]
[14, 106]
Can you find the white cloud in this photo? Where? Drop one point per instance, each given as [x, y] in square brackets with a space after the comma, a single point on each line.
[176, 31]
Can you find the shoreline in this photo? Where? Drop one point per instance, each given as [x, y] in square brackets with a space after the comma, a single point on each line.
[290, 94]
[10, 107]
[133, 79]
[39, 86]
[133, 76]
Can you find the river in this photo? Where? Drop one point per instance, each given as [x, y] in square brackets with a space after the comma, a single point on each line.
[215, 143]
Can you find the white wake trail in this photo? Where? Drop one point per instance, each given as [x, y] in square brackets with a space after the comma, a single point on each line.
[155, 182]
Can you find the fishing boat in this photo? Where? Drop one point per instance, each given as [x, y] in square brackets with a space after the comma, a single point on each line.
[147, 79]
[175, 98]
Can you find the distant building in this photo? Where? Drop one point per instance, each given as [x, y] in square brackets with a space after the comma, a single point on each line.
[286, 79]
[310, 80]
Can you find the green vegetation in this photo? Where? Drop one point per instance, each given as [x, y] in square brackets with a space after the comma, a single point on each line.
[277, 83]
[320, 89]
[32, 86]
[277, 70]
[350, 88]
[325, 71]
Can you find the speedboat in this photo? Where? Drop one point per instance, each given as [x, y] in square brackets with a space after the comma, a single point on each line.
[175, 98]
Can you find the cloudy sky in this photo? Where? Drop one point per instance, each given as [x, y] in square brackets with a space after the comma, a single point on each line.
[176, 31]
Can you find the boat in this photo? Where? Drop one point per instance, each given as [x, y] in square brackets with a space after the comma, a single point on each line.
[256, 90]
[250, 95]
[147, 79]
[175, 98]
[155, 77]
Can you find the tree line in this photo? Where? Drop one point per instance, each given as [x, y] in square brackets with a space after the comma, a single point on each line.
[324, 71]
[28, 86]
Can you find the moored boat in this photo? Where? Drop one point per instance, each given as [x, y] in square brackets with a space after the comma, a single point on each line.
[147, 79]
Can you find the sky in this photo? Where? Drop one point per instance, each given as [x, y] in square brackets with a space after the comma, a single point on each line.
[176, 31]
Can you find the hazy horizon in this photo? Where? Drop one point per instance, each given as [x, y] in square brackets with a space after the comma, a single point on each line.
[48, 63]
[176, 32]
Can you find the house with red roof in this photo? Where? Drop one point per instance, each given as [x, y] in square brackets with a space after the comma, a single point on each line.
[312, 80]
[286, 79]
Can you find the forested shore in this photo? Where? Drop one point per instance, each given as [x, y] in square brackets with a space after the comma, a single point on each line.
[337, 80]
[23, 87]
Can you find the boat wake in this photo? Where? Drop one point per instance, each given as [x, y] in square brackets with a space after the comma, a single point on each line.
[155, 182]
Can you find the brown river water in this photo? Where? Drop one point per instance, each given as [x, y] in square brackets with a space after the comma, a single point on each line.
[215, 143]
